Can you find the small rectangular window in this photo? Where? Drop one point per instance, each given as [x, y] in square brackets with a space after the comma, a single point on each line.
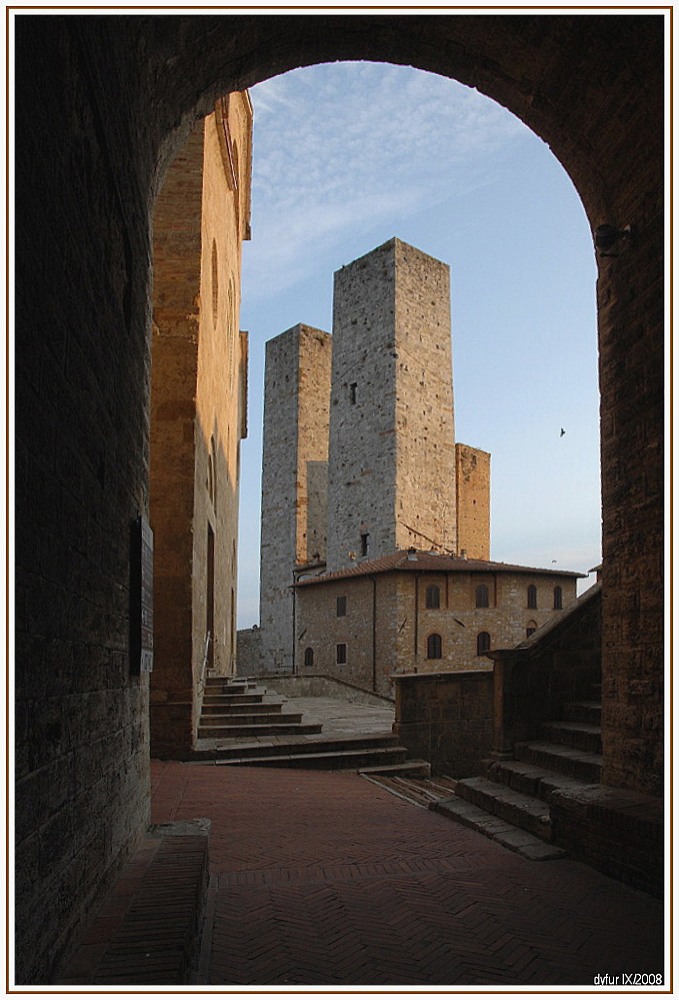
[433, 597]
[365, 542]
[341, 653]
[341, 607]
[352, 392]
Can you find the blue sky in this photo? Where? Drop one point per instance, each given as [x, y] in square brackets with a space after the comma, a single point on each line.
[346, 156]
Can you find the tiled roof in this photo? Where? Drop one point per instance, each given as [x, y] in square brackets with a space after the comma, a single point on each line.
[427, 562]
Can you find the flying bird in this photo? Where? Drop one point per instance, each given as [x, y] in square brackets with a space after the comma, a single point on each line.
[562, 432]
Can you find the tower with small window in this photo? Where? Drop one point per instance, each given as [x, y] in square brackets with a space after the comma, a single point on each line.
[391, 466]
[294, 479]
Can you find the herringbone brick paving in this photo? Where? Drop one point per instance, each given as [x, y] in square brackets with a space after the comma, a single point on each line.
[323, 878]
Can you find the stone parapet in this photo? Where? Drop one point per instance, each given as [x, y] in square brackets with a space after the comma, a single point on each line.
[446, 718]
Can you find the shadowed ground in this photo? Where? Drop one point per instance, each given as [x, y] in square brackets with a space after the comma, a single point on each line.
[323, 878]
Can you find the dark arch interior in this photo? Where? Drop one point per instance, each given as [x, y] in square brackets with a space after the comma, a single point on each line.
[102, 104]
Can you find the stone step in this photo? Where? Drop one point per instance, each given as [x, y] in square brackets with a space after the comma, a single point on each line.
[566, 760]
[408, 768]
[532, 779]
[218, 686]
[521, 841]
[514, 807]
[279, 749]
[579, 735]
[256, 694]
[583, 711]
[337, 760]
[237, 731]
[252, 718]
[215, 707]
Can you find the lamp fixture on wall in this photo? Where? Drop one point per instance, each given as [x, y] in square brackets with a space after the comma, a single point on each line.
[606, 237]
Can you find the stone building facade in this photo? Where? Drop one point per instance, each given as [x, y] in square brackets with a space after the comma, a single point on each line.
[419, 611]
[198, 414]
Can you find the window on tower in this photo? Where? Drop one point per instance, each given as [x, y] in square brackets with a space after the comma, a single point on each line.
[352, 392]
[433, 597]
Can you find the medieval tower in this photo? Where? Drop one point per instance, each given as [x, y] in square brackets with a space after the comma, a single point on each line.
[391, 475]
[359, 452]
[294, 477]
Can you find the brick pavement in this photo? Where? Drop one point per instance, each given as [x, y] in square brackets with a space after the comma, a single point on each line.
[323, 878]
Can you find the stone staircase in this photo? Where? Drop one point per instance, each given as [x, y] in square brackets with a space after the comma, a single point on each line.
[511, 803]
[242, 724]
[237, 709]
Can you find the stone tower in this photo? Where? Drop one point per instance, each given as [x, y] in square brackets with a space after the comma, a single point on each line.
[294, 478]
[472, 479]
[391, 479]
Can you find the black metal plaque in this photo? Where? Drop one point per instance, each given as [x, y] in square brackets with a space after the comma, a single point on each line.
[141, 597]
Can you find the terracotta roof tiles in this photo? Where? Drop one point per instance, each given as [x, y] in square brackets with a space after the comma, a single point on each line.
[428, 562]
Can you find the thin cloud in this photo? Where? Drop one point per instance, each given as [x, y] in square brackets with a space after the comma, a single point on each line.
[362, 144]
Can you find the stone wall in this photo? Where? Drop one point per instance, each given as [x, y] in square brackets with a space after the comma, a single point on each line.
[472, 501]
[320, 686]
[248, 652]
[391, 477]
[559, 663]
[82, 372]
[220, 400]
[197, 415]
[446, 719]
[177, 246]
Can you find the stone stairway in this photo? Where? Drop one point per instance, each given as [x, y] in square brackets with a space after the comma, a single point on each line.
[242, 724]
[374, 754]
[511, 803]
[237, 709]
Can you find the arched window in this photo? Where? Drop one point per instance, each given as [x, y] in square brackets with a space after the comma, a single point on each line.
[532, 596]
[433, 597]
[558, 599]
[482, 643]
[308, 657]
[482, 596]
[530, 628]
[434, 646]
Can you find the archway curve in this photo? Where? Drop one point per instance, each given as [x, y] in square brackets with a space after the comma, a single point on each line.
[542, 69]
[591, 87]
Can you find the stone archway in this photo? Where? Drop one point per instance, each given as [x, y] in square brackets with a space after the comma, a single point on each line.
[102, 103]
[591, 87]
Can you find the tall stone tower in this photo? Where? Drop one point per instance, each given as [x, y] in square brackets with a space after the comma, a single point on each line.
[294, 479]
[391, 478]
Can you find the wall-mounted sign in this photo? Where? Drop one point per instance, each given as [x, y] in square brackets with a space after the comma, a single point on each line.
[141, 597]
